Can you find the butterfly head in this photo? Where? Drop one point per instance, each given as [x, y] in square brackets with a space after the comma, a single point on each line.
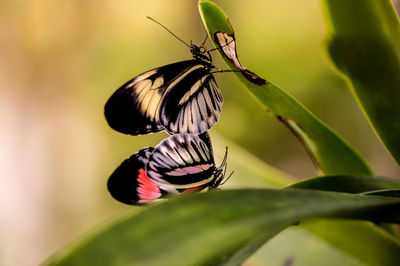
[220, 173]
[199, 52]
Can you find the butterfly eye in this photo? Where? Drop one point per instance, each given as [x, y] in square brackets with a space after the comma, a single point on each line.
[203, 48]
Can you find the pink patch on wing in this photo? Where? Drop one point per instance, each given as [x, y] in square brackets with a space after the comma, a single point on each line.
[190, 170]
[147, 189]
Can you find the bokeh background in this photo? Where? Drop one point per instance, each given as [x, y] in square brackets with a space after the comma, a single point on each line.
[61, 60]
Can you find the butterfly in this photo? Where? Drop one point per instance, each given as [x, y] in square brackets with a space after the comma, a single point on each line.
[180, 164]
[179, 97]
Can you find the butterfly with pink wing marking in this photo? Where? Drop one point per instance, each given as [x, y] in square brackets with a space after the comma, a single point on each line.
[180, 164]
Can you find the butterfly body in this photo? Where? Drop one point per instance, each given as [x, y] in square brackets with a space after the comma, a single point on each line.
[179, 97]
[180, 164]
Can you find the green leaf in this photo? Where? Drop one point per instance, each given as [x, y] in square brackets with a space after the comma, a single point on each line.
[384, 246]
[322, 142]
[243, 163]
[187, 231]
[394, 193]
[369, 245]
[331, 152]
[364, 37]
[349, 184]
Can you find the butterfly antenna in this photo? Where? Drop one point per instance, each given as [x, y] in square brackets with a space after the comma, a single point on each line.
[173, 34]
[225, 158]
[205, 39]
[226, 167]
[226, 179]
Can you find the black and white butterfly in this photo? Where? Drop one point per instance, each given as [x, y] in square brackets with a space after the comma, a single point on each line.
[180, 164]
[180, 97]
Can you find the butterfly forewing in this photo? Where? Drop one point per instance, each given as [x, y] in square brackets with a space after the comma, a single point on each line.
[129, 183]
[134, 108]
[182, 161]
[192, 104]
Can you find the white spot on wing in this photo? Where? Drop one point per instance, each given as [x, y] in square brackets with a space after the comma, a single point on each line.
[141, 77]
[142, 87]
[145, 75]
[157, 83]
[190, 92]
[177, 80]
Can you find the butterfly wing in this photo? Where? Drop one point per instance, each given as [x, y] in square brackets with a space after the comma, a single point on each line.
[182, 161]
[134, 108]
[192, 103]
[129, 183]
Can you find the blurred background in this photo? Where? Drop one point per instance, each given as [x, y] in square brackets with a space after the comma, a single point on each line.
[61, 60]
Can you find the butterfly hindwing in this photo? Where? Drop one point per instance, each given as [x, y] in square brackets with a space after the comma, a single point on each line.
[133, 108]
[129, 182]
[193, 104]
[182, 161]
